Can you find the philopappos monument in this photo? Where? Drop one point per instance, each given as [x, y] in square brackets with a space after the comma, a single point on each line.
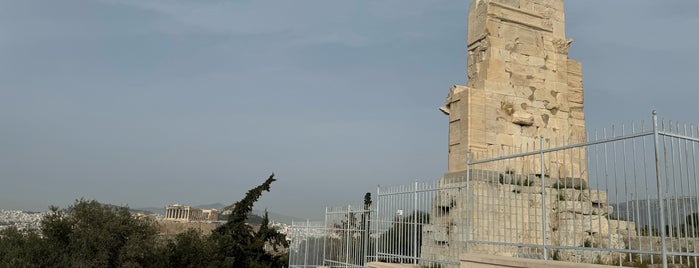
[521, 84]
[522, 89]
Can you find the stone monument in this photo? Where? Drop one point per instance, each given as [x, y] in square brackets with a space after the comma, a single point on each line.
[522, 89]
[521, 84]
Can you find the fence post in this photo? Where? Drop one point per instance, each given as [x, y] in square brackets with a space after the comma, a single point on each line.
[543, 198]
[376, 224]
[305, 253]
[347, 250]
[415, 216]
[325, 236]
[468, 195]
[661, 201]
[365, 235]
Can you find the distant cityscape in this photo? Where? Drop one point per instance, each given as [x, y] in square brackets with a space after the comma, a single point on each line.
[20, 219]
[172, 219]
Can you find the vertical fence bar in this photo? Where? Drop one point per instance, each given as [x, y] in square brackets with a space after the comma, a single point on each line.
[468, 195]
[415, 216]
[377, 223]
[696, 186]
[305, 254]
[347, 249]
[325, 237]
[543, 198]
[660, 189]
[365, 236]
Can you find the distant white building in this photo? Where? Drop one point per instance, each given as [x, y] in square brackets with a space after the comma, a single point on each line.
[210, 214]
[177, 212]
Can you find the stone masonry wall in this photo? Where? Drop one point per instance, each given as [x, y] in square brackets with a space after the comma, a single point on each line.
[521, 84]
[507, 209]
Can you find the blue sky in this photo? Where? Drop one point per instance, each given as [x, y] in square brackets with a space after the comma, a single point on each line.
[151, 102]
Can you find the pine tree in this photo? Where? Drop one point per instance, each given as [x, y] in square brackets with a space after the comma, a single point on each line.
[238, 244]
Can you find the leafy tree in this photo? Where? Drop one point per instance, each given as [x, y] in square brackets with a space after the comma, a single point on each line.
[189, 249]
[90, 234]
[22, 248]
[87, 234]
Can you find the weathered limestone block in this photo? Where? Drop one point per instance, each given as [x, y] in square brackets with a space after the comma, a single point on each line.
[509, 13]
[579, 207]
[528, 190]
[575, 80]
[511, 179]
[574, 67]
[522, 118]
[575, 99]
[548, 182]
[611, 241]
[499, 87]
[436, 234]
[594, 196]
[511, 3]
[602, 210]
[536, 53]
[521, 59]
[546, 95]
[589, 256]
[577, 115]
[477, 18]
[496, 70]
[624, 228]
[583, 223]
[571, 183]
[569, 195]
[568, 238]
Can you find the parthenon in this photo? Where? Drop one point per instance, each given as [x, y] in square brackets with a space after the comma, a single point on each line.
[179, 212]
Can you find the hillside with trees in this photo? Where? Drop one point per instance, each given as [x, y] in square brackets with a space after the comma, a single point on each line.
[90, 234]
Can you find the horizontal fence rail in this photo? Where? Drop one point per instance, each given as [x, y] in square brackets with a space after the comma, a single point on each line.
[627, 195]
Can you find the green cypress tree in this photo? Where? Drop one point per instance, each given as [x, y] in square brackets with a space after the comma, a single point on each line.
[237, 243]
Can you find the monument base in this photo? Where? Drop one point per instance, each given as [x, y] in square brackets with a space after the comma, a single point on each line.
[487, 212]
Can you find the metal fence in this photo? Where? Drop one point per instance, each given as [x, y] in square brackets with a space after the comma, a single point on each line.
[347, 242]
[624, 196]
[404, 214]
[307, 244]
[342, 240]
